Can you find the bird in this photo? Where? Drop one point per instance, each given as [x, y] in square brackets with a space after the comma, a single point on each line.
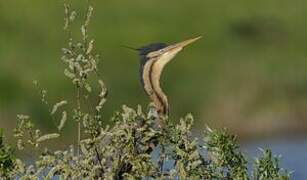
[153, 58]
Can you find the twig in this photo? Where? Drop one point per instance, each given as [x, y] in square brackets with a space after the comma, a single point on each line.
[162, 156]
[79, 119]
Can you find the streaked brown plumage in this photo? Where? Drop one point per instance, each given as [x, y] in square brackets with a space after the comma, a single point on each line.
[154, 57]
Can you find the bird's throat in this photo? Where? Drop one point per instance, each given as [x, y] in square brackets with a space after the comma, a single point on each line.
[151, 78]
[152, 71]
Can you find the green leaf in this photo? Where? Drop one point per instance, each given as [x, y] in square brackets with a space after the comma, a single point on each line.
[47, 137]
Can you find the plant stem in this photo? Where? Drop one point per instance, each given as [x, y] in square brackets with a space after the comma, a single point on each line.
[161, 159]
[79, 118]
[162, 153]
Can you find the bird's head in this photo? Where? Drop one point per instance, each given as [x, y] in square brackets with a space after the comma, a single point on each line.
[162, 51]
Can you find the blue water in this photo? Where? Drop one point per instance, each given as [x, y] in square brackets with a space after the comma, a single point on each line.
[293, 151]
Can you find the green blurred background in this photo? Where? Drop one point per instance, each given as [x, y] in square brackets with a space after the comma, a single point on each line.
[248, 73]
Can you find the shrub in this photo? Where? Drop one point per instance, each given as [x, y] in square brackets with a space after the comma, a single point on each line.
[7, 158]
[134, 147]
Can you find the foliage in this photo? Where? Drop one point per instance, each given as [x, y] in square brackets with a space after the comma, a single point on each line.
[26, 134]
[266, 167]
[134, 147]
[224, 152]
[7, 157]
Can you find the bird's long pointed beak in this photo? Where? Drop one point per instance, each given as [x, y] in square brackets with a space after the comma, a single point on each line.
[175, 48]
[186, 42]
